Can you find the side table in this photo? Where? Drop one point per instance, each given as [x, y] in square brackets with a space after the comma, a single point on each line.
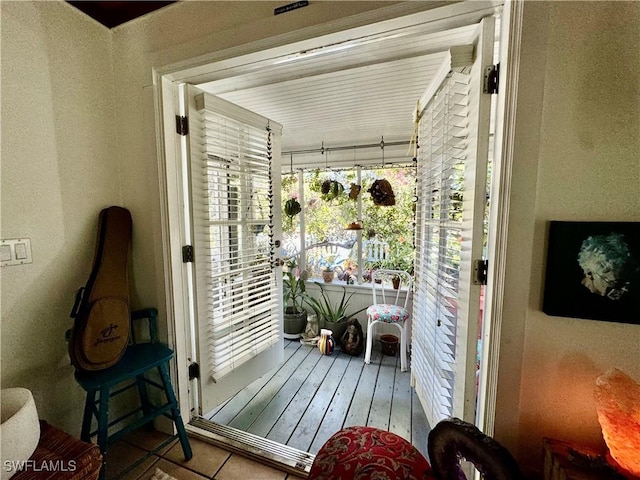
[566, 461]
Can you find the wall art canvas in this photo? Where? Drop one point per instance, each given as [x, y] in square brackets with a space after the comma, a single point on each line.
[593, 271]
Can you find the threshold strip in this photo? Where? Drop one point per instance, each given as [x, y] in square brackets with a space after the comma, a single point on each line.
[263, 450]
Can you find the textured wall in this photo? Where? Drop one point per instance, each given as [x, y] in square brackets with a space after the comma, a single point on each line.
[58, 170]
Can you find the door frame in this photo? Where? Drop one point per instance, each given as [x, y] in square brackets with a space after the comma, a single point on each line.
[167, 80]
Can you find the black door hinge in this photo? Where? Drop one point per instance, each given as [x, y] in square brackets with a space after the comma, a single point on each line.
[492, 79]
[187, 254]
[182, 125]
[194, 371]
[480, 268]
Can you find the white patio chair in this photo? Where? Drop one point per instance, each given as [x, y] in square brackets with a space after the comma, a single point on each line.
[389, 307]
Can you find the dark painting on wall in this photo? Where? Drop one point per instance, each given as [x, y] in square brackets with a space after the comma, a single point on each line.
[593, 271]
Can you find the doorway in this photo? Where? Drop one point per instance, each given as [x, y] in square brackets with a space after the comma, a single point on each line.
[274, 62]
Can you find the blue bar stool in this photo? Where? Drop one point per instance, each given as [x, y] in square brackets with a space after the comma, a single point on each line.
[139, 360]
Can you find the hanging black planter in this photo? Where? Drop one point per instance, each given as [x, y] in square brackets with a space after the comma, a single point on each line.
[382, 193]
[292, 207]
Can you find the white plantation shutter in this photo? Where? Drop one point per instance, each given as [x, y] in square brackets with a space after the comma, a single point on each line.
[443, 132]
[237, 288]
[453, 133]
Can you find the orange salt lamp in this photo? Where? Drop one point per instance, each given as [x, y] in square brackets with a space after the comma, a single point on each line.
[618, 404]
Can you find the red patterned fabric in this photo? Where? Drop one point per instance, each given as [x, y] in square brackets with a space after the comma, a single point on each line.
[367, 453]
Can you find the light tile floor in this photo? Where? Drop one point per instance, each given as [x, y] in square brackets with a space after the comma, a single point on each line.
[208, 462]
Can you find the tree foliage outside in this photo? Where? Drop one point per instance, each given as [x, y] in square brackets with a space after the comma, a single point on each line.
[327, 215]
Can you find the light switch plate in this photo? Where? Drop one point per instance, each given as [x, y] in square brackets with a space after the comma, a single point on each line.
[5, 253]
[15, 251]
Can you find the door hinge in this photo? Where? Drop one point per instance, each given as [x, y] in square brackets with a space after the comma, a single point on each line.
[182, 125]
[480, 268]
[491, 79]
[194, 370]
[187, 254]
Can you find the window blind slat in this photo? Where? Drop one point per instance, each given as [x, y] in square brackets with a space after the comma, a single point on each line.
[229, 337]
[224, 368]
[442, 133]
[223, 308]
[231, 177]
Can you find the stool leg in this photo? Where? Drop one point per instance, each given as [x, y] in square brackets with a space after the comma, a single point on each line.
[144, 396]
[103, 429]
[85, 433]
[175, 411]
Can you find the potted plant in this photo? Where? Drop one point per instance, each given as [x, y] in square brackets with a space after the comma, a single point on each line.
[399, 257]
[332, 316]
[327, 268]
[293, 288]
[403, 264]
[327, 273]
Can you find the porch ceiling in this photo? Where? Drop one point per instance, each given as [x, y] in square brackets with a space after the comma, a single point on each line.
[352, 93]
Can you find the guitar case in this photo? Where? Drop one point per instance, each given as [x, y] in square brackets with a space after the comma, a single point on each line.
[100, 332]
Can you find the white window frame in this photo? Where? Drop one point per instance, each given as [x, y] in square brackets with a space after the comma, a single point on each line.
[359, 243]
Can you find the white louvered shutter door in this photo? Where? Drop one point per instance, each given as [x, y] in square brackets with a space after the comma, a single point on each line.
[451, 187]
[235, 204]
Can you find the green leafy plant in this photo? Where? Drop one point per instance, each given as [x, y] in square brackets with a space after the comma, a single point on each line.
[292, 207]
[293, 289]
[328, 264]
[331, 189]
[329, 311]
[399, 257]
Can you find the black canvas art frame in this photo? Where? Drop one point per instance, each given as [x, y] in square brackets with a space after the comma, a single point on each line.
[593, 271]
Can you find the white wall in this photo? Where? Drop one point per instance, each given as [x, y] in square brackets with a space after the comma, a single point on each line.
[58, 170]
[589, 169]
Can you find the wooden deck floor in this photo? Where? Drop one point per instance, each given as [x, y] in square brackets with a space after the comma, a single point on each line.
[311, 396]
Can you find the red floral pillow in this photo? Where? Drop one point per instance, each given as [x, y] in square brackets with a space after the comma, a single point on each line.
[367, 453]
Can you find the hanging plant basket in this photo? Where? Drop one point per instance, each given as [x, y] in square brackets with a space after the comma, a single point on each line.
[382, 193]
[354, 191]
[331, 189]
[292, 208]
[354, 226]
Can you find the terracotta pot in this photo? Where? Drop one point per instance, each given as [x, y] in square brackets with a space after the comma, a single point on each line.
[396, 282]
[389, 345]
